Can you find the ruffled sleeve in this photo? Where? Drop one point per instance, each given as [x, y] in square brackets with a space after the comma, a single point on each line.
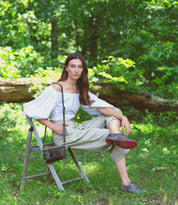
[42, 106]
[97, 102]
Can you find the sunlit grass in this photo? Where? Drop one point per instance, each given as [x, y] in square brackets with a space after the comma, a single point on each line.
[152, 164]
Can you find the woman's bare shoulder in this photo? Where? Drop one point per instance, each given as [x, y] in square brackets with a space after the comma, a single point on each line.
[57, 87]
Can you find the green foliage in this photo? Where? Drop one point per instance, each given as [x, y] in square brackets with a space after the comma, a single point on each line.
[155, 157]
[43, 78]
[82, 116]
[14, 64]
[143, 35]
[126, 75]
[142, 31]
[8, 124]
[26, 62]
[166, 82]
[120, 72]
[9, 120]
[154, 71]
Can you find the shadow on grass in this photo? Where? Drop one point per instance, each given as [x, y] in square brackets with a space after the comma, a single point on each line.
[152, 164]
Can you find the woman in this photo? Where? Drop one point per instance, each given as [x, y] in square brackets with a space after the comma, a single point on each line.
[100, 134]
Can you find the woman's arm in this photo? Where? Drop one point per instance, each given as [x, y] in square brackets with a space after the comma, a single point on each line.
[57, 128]
[110, 112]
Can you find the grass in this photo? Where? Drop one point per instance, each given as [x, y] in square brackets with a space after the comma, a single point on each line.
[152, 164]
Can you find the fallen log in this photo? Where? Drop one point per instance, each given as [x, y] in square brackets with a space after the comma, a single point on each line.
[17, 91]
[139, 100]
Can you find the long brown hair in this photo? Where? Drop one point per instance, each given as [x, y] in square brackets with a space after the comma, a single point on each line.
[82, 82]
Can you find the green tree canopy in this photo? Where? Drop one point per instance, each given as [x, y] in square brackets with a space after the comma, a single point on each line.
[142, 31]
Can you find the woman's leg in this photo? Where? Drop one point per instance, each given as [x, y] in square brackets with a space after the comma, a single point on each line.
[122, 170]
[118, 156]
[89, 138]
[114, 127]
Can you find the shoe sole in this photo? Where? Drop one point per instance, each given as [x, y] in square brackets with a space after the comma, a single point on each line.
[123, 144]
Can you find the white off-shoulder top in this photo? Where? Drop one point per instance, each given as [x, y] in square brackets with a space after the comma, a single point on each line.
[49, 105]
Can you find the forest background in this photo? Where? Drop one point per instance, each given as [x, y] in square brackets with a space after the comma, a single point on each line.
[130, 45]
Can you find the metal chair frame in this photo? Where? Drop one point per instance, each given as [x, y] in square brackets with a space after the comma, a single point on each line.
[51, 170]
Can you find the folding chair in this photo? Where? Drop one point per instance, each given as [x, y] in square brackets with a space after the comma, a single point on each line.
[51, 170]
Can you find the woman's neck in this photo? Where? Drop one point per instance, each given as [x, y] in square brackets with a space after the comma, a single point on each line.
[70, 86]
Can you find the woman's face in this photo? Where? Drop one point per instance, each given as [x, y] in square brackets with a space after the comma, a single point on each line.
[74, 69]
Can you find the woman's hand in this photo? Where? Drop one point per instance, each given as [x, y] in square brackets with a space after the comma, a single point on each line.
[126, 125]
[110, 112]
[58, 129]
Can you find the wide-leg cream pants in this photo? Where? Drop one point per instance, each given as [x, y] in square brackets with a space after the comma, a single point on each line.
[90, 136]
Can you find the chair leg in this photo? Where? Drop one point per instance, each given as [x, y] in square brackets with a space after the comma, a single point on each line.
[78, 166]
[24, 172]
[55, 176]
[49, 176]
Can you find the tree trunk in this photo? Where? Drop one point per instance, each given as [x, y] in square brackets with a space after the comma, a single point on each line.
[54, 39]
[32, 26]
[17, 90]
[93, 38]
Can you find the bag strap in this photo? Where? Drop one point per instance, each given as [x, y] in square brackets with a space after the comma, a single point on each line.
[64, 131]
[44, 136]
